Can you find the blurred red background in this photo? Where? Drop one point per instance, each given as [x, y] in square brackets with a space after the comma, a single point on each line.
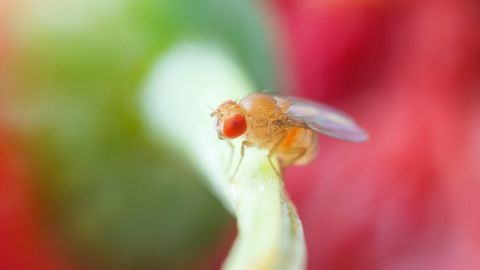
[22, 243]
[409, 72]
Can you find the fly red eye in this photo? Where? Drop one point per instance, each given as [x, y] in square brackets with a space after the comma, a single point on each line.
[234, 126]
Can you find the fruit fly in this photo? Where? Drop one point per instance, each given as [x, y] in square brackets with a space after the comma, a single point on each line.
[286, 126]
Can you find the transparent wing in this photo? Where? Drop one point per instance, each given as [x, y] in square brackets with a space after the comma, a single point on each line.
[326, 120]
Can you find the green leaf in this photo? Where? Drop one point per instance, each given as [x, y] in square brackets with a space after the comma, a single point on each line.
[182, 85]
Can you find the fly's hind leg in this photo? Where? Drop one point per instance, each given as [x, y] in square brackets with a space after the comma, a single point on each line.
[242, 153]
[297, 153]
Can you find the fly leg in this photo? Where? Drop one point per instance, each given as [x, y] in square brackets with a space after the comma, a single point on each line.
[272, 152]
[230, 157]
[242, 153]
[298, 153]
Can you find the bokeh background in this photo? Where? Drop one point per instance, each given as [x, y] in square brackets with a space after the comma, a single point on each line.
[82, 185]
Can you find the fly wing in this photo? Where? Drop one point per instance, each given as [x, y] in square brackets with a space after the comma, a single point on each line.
[326, 120]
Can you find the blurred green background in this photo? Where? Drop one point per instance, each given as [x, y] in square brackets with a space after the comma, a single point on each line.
[115, 198]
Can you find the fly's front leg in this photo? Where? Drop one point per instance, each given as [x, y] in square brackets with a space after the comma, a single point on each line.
[242, 153]
[230, 157]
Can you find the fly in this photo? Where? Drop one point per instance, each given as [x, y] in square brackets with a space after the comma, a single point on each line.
[286, 126]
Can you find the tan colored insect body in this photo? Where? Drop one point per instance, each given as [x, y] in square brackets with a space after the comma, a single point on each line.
[286, 126]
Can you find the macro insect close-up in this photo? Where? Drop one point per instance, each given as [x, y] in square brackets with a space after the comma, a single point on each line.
[238, 135]
[286, 126]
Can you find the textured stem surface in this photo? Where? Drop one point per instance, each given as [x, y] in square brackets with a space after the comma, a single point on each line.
[183, 84]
